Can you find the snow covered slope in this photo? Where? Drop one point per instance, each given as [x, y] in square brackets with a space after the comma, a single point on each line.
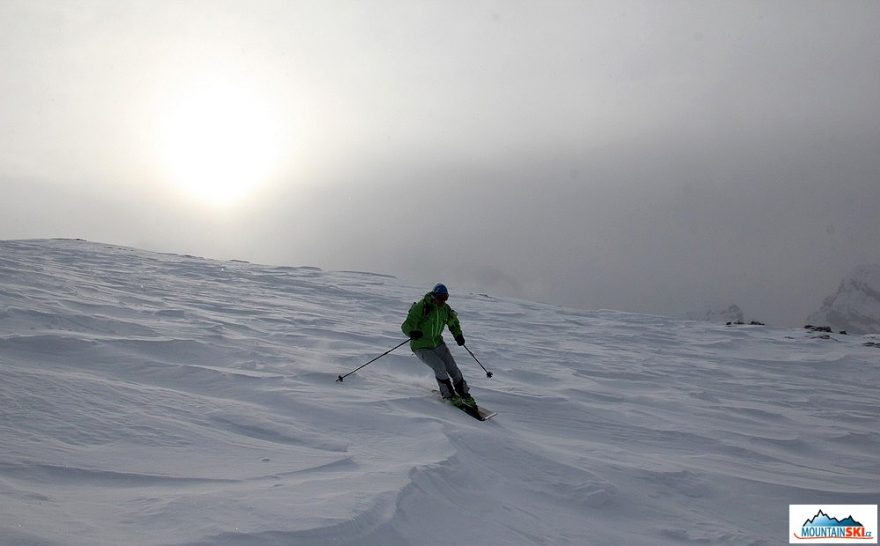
[151, 399]
[855, 307]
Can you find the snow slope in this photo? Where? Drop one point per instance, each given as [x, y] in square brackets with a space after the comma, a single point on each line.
[152, 399]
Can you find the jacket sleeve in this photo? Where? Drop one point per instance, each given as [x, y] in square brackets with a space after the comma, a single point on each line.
[453, 324]
[412, 318]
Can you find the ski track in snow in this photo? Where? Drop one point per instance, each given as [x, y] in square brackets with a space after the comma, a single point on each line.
[156, 399]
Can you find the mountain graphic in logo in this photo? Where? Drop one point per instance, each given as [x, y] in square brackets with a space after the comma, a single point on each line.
[847, 524]
[824, 520]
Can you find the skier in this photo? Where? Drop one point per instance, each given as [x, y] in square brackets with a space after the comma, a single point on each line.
[424, 325]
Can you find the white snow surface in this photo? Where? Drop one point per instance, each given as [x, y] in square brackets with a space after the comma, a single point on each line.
[156, 399]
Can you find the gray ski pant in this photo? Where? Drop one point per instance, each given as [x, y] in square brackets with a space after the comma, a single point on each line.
[445, 369]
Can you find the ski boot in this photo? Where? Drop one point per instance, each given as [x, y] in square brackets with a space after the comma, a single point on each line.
[464, 394]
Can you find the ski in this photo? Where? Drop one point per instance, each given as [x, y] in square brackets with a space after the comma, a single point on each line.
[477, 412]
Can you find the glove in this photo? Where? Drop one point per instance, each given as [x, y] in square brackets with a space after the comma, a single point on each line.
[459, 339]
[415, 334]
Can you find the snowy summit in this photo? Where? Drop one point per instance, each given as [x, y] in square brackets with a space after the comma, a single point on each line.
[162, 400]
[855, 306]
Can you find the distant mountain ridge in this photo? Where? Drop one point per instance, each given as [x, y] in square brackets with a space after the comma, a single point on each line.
[855, 307]
[731, 313]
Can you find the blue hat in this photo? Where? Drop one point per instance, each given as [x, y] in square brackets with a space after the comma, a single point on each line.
[440, 289]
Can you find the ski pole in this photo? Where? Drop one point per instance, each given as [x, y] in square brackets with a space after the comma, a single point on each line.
[341, 377]
[488, 373]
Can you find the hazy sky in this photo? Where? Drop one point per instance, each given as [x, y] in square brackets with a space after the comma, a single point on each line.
[665, 157]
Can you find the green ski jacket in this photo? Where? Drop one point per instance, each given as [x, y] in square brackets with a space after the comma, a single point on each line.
[430, 318]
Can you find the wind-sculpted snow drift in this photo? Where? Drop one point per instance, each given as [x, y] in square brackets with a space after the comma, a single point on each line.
[153, 399]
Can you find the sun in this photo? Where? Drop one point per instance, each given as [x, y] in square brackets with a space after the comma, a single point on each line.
[219, 143]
